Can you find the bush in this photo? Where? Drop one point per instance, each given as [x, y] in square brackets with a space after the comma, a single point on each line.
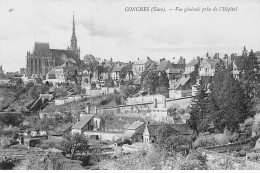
[203, 141]
[8, 163]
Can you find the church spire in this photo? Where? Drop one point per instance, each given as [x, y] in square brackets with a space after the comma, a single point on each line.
[73, 43]
[73, 30]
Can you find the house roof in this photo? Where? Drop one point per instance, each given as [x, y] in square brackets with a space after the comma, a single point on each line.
[135, 125]
[117, 68]
[105, 69]
[178, 66]
[128, 134]
[164, 65]
[183, 80]
[213, 62]
[172, 70]
[83, 122]
[140, 62]
[42, 49]
[192, 63]
[99, 69]
[60, 129]
[152, 128]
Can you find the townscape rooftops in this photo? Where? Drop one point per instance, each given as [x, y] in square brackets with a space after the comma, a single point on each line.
[164, 65]
[83, 122]
[135, 125]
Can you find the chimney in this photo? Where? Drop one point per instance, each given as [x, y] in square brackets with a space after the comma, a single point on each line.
[148, 58]
[183, 61]
[138, 59]
[162, 59]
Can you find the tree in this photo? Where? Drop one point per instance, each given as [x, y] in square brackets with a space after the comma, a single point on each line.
[151, 82]
[163, 80]
[75, 144]
[199, 115]
[250, 72]
[235, 107]
[129, 89]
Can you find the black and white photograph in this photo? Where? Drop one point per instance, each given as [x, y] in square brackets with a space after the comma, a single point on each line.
[129, 85]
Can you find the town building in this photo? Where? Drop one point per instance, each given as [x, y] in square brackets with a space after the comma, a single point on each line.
[207, 67]
[134, 132]
[140, 65]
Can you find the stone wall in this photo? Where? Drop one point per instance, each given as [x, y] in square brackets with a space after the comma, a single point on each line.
[110, 136]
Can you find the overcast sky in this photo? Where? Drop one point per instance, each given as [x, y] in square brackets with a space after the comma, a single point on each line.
[104, 29]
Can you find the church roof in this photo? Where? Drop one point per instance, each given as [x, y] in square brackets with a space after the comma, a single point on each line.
[42, 49]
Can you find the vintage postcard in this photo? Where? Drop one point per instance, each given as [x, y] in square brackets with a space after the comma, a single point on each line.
[129, 85]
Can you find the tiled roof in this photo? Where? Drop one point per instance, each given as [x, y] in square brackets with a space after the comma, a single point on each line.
[42, 49]
[128, 134]
[164, 65]
[178, 66]
[192, 63]
[105, 69]
[117, 68]
[175, 71]
[83, 122]
[140, 62]
[213, 62]
[183, 80]
[135, 125]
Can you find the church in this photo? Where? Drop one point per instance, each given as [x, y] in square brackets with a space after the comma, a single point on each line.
[42, 59]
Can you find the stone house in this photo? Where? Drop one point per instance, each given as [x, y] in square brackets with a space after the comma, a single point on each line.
[119, 72]
[207, 67]
[87, 123]
[134, 132]
[141, 65]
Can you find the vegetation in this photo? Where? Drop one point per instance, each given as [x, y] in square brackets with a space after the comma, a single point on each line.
[75, 144]
[230, 101]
